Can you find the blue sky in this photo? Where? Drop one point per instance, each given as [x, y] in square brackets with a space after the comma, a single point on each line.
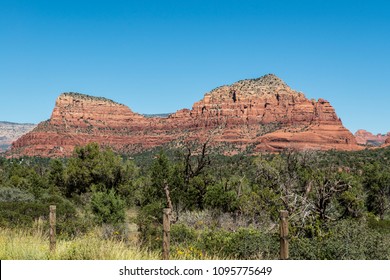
[161, 56]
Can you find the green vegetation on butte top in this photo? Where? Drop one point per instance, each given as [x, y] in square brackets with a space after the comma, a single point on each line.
[89, 97]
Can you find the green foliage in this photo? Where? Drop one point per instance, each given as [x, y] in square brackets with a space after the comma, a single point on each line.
[216, 241]
[377, 184]
[92, 166]
[245, 243]
[382, 226]
[221, 197]
[160, 173]
[8, 194]
[26, 214]
[181, 233]
[149, 223]
[128, 187]
[57, 174]
[347, 239]
[338, 202]
[107, 207]
[249, 243]
[21, 214]
[154, 200]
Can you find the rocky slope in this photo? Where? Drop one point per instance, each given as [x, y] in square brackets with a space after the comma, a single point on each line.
[364, 137]
[264, 114]
[9, 132]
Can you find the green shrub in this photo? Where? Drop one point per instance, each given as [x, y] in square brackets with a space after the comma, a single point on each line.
[149, 223]
[182, 234]
[21, 214]
[382, 226]
[215, 242]
[108, 208]
[9, 194]
[245, 243]
[219, 197]
[347, 240]
[25, 214]
[249, 243]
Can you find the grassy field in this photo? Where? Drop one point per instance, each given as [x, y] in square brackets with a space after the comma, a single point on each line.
[33, 244]
[24, 245]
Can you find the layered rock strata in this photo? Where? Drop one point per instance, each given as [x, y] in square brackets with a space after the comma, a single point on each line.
[262, 113]
[364, 137]
[10, 131]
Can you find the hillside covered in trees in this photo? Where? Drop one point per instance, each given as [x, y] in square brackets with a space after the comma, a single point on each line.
[223, 207]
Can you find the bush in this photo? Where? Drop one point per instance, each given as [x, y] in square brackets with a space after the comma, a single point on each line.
[218, 197]
[382, 226]
[245, 243]
[348, 240]
[21, 214]
[25, 214]
[182, 234]
[248, 243]
[108, 208]
[9, 194]
[215, 242]
[149, 223]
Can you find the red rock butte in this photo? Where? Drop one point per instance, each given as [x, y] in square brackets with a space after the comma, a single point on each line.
[264, 114]
[364, 137]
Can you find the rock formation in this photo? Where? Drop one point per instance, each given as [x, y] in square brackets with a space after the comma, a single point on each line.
[9, 132]
[264, 114]
[364, 137]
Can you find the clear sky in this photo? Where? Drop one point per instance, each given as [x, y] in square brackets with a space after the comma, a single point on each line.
[162, 56]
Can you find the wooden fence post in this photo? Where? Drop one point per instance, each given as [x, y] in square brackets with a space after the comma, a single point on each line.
[52, 219]
[283, 235]
[167, 232]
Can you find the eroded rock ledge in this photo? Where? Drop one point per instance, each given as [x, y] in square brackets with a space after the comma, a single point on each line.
[264, 113]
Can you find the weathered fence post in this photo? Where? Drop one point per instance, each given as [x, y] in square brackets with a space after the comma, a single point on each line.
[167, 232]
[52, 219]
[283, 235]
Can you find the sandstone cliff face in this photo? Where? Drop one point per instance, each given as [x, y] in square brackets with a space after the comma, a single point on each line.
[364, 137]
[264, 100]
[263, 113]
[9, 132]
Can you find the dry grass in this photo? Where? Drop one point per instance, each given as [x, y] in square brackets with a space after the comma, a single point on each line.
[24, 245]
